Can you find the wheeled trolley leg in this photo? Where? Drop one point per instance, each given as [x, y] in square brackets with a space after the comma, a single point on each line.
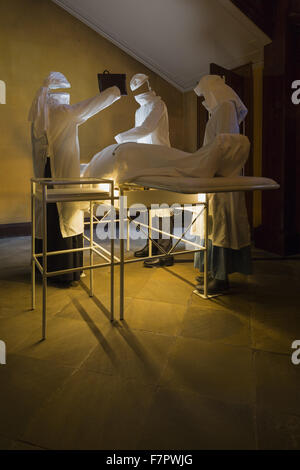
[32, 245]
[91, 249]
[150, 232]
[128, 231]
[112, 255]
[206, 249]
[122, 280]
[44, 308]
[45, 243]
[121, 236]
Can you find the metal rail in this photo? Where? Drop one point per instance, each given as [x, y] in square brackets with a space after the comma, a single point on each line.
[111, 260]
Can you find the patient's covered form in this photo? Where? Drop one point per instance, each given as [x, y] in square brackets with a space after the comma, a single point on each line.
[131, 161]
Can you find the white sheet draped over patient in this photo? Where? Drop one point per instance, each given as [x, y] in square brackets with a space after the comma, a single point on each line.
[128, 162]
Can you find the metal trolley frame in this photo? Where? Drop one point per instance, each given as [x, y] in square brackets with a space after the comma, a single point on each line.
[52, 190]
[150, 197]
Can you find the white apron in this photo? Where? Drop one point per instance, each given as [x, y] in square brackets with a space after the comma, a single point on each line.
[229, 226]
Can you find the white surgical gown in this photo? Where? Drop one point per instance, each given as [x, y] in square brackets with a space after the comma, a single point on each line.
[64, 151]
[151, 122]
[151, 127]
[229, 219]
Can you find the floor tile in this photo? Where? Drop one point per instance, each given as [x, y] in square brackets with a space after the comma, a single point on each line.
[131, 354]
[278, 382]
[26, 383]
[16, 328]
[275, 331]
[15, 297]
[182, 272]
[170, 290]
[88, 309]
[136, 277]
[216, 325]
[93, 411]
[178, 372]
[277, 431]
[157, 317]
[179, 419]
[214, 370]
[68, 342]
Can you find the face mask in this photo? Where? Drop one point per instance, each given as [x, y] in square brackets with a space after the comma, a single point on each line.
[210, 102]
[56, 99]
[197, 90]
[143, 98]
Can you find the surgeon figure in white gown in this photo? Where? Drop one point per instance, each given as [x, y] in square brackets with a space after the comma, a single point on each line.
[229, 236]
[151, 127]
[56, 154]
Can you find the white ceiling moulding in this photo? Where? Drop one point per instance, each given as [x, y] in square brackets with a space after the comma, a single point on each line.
[99, 29]
[177, 39]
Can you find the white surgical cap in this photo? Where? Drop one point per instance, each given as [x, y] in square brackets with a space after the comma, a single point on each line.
[138, 80]
[215, 92]
[55, 99]
[56, 80]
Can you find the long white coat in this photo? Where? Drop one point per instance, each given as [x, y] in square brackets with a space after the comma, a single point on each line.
[151, 122]
[151, 127]
[229, 219]
[229, 226]
[64, 151]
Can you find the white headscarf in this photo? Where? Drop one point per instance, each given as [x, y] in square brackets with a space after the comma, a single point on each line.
[215, 92]
[38, 113]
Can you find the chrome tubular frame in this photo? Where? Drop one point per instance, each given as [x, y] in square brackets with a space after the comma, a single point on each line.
[42, 190]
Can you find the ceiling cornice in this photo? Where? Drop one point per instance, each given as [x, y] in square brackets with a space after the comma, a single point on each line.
[260, 37]
[117, 42]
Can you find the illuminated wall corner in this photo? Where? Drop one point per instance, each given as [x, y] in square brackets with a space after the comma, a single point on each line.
[2, 92]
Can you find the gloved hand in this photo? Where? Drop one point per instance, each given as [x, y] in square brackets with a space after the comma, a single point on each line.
[118, 138]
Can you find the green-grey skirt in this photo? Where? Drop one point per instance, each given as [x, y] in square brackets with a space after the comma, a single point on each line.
[224, 261]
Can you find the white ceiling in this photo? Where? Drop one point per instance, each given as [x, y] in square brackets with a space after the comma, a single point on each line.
[177, 39]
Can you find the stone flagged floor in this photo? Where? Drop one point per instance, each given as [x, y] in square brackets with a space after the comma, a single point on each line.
[179, 372]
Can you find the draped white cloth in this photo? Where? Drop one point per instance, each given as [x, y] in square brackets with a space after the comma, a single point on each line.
[128, 162]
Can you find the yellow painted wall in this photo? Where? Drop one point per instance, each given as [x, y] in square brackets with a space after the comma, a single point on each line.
[190, 121]
[37, 36]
